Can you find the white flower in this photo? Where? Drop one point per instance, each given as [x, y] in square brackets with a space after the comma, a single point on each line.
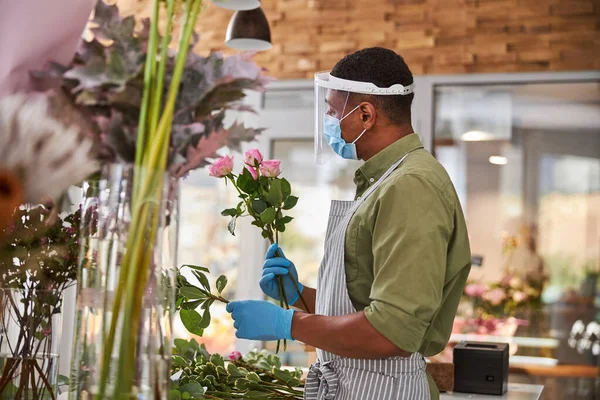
[47, 156]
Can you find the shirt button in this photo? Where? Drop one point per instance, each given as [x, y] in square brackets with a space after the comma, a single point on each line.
[372, 180]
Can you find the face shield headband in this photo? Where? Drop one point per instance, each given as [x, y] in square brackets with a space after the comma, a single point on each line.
[328, 135]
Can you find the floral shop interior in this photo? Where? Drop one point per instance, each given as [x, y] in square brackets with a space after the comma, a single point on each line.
[153, 151]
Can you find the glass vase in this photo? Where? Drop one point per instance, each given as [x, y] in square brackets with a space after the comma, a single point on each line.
[30, 328]
[112, 216]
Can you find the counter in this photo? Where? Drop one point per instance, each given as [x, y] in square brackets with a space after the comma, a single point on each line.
[515, 392]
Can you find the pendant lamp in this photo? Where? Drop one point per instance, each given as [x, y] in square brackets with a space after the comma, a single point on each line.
[238, 4]
[249, 30]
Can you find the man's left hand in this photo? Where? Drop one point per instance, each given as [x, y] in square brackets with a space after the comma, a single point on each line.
[260, 320]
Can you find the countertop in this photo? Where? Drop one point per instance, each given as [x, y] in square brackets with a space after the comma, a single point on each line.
[515, 392]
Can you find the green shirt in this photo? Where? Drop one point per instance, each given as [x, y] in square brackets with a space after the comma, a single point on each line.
[407, 252]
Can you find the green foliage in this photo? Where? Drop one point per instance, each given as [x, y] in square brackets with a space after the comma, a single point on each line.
[191, 297]
[39, 259]
[101, 91]
[197, 374]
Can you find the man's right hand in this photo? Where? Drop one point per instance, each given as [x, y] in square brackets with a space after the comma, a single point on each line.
[277, 265]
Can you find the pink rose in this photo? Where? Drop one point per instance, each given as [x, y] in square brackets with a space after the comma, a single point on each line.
[252, 171]
[270, 168]
[495, 296]
[253, 158]
[475, 289]
[235, 355]
[221, 168]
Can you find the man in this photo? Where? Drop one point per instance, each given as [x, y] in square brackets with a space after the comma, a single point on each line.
[396, 259]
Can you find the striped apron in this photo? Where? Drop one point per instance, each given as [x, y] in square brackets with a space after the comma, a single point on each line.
[340, 378]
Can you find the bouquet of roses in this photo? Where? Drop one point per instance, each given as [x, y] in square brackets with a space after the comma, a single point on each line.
[264, 196]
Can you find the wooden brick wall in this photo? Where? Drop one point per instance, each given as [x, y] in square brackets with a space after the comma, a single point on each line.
[434, 36]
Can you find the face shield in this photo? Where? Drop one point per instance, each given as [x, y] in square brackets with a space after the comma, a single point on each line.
[331, 107]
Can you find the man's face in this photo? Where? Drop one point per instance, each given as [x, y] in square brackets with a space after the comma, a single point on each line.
[338, 106]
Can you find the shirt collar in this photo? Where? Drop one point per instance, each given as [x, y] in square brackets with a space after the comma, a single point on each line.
[375, 167]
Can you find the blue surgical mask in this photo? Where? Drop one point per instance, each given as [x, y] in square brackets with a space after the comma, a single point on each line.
[333, 134]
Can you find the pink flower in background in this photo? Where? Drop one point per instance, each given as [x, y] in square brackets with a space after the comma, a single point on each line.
[221, 168]
[235, 355]
[515, 283]
[253, 158]
[495, 296]
[506, 280]
[270, 168]
[475, 289]
[252, 171]
[519, 297]
[47, 331]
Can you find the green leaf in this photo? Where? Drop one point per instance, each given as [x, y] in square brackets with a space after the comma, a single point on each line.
[259, 206]
[175, 395]
[286, 188]
[231, 226]
[286, 220]
[203, 279]
[246, 183]
[221, 283]
[264, 181]
[234, 371]
[217, 359]
[275, 194]
[257, 223]
[265, 234]
[196, 268]
[268, 216]
[256, 395]
[181, 345]
[179, 362]
[191, 305]
[192, 293]
[192, 321]
[193, 388]
[279, 226]
[290, 202]
[230, 212]
[207, 304]
[205, 322]
[253, 377]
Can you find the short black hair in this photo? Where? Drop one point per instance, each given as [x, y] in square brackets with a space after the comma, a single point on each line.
[384, 68]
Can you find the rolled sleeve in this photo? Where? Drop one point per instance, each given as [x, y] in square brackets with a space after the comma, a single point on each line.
[410, 242]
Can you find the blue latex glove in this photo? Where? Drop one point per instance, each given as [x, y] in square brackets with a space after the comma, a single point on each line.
[260, 320]
[275, 266]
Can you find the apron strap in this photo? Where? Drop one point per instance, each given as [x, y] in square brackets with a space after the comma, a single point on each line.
[321, 375]
[383, 177]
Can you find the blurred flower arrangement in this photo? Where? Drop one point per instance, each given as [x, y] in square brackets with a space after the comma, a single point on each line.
[38, 262]
[197, 374]
[264, 196]
[105, 87]
[40, 157]
[204, 376]
[496, 305]
[502, 299]
[162, 111]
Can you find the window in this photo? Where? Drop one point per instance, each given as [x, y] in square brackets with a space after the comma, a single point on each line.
[525, 159]
[204, 240]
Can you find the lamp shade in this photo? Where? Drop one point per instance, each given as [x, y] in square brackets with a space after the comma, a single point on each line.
[238, 4]
[249, 30]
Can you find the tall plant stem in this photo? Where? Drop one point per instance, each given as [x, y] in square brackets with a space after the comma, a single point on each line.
[160, 78]
[149, 67]
[147, 191]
